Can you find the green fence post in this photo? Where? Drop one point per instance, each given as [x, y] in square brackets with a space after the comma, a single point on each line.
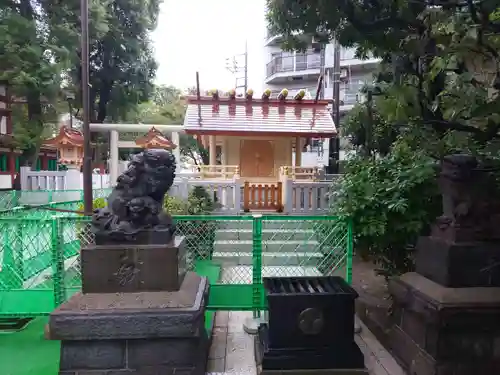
[57, 262]
[257, 264]
[350, 245]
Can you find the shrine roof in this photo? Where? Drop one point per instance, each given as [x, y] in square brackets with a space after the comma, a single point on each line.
[155, 138]
[66, 136]
[266, 116]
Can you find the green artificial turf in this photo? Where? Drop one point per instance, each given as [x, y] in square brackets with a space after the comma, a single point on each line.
[27, 352]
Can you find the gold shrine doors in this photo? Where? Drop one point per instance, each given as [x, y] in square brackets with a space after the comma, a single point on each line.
[256, 158]
[257, 161]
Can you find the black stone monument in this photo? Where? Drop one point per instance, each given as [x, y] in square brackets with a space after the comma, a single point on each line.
[310, 329]
[447, 313]
[140, 312]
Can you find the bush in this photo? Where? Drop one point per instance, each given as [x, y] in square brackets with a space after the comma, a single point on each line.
[200, 235]
[392, 201]
[96, 203]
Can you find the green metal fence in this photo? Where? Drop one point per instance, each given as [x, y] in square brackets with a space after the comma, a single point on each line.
[18, 199]
[39, 256]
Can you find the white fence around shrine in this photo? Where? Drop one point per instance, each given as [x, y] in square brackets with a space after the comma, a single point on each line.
[299, 197]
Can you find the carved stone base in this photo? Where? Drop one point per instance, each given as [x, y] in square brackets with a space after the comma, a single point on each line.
[133, 268]
[445, 331]
[459, 265]
[144, 333]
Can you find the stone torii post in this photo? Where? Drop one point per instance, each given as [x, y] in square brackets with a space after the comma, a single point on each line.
[115, 143]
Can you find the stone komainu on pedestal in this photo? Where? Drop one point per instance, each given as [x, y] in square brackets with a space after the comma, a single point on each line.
[140, 312]
[311, 328]
[447, 314]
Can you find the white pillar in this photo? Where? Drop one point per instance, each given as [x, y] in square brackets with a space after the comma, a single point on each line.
[113, 157]
[74, 183]
[212, 145]
[176, 151]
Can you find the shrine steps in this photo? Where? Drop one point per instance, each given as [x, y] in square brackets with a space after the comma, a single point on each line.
[283, 244]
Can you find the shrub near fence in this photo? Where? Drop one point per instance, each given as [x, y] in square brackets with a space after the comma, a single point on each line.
[200, 235]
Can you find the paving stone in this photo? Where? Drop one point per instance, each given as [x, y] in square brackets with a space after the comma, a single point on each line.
[236, 320]
[216, 365]
[221, 318]
[219, 342]
[240, 357]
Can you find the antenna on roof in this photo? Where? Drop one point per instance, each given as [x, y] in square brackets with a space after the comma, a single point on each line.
[198, 96]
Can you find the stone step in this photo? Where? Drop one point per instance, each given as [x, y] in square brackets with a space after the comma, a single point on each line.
[268, 246]
[268, 224]
[267, 234]
[268, 259]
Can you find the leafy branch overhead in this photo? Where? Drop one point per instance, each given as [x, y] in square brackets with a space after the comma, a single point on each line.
[40, 58]
[443, 55]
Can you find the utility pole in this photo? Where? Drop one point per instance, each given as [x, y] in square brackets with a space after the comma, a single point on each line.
[234, 66]
[334, 143]
[87, 149]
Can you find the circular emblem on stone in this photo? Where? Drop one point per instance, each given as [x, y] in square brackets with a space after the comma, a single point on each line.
[311, 321]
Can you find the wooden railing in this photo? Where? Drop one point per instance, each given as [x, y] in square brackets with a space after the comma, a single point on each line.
[219, 171]
[300, 173]
[262, 197]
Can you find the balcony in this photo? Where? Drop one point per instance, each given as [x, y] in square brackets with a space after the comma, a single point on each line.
[349, 60]
[285, 67]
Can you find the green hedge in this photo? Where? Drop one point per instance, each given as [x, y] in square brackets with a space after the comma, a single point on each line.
[200, 235]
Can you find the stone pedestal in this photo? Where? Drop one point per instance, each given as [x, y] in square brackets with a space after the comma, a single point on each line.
[447, 315]
[136, 332]
[459, 265]
[445, 331]
[134, 268]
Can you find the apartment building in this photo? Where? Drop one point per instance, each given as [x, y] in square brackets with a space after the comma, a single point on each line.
[301, 70]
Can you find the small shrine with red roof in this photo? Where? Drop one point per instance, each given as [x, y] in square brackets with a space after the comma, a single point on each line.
[257, 136]
[253, 138]
[69, 143]
[155, 139]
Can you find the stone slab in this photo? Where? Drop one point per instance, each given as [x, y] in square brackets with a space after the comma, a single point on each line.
[457, 265]
[439, 330]
[419, 362]
[143, 356]
[444, 297]
[133, 315]
[133, 268]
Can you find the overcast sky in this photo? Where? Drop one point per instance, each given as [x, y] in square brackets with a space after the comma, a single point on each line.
[198, 35]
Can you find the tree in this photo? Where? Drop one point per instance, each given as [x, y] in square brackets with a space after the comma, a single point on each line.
[443, 56]
[122, 66]
[26, 63]
[40, 54]
[167, 106]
